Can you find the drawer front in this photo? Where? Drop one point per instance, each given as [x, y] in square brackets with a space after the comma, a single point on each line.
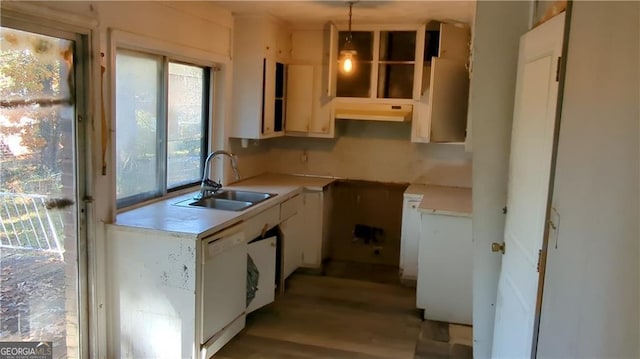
[290, 207]
[262, 222]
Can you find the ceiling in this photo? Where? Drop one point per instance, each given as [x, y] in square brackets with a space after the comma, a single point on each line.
[364, 11]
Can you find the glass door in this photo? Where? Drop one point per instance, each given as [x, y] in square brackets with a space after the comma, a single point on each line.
[39, 191]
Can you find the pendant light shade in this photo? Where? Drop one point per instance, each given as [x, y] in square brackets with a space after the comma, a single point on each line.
[348, 52]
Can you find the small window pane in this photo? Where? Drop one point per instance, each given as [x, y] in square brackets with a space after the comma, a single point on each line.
[186, 116]
[137, 95]
[397, 45]
[355, 84]
[395, 81]
[362, 42]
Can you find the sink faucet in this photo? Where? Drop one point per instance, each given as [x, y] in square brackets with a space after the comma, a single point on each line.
[207, 185]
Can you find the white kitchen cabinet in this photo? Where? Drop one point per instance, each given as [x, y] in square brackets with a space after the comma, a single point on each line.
[261, 50]
[308, 106]
[387, 65]
[263, 254]
[300, 98]
[293, 231]
[307, 115]
[164, 290]
[317, 207]
[163, 293]
[441, 110]
[418, 71]
[410, 237]
[153, 287]
[445, 268]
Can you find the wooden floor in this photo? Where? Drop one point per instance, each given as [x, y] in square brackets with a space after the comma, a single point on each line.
[337, 317]
[328, 317]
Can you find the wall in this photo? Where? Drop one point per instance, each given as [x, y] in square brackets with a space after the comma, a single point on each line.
[591, 301]
[498, 27]
[369, 150]
[253, 159]
[199, 26]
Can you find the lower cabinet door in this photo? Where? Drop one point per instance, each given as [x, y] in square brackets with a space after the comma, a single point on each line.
[263, 255]
[293, 233]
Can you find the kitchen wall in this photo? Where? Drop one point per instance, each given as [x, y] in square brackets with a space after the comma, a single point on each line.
[374, 151]
[362, 150]
[254, 159]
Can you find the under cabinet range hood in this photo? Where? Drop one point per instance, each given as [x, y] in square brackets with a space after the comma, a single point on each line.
[373, 111]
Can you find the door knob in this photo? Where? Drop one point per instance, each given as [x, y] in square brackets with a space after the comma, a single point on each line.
[497, 247]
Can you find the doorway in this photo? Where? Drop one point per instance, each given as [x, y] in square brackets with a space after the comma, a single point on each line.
[41, 184]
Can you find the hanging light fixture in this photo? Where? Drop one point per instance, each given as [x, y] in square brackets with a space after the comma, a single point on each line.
[348, 51]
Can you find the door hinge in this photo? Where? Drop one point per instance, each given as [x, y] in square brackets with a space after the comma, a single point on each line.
[504, 210]
[558, 68]
[539, 259]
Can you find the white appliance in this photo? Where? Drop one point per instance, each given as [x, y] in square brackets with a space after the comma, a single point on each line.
[224, 287]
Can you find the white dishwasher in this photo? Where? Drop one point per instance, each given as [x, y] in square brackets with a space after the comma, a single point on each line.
[224, 288]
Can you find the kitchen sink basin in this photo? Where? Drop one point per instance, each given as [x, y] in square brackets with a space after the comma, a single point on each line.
[227, 200]
[246, 196]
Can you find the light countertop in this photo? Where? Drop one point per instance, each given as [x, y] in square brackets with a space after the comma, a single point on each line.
[446, 200]
[200, 222]
[416, 189]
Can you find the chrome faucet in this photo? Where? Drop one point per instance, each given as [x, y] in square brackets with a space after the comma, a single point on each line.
[209, 186]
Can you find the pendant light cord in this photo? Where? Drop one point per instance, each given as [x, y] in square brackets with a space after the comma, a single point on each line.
[350, 36]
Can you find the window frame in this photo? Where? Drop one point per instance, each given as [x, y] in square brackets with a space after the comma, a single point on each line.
[214, 112]
[161, 187]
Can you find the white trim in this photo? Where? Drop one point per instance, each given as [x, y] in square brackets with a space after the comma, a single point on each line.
[131, 41]
[42, 15]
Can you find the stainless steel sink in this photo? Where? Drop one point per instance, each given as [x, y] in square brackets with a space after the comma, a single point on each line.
[227, 200]
[253, 197]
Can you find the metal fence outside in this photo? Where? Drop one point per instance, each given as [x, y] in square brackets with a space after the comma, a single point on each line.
[26, 223]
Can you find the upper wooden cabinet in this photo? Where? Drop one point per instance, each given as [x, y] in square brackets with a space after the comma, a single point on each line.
[261, 50]
[308, 105]
[420, 67]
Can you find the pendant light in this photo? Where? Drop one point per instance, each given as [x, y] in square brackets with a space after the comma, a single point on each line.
[348, 51]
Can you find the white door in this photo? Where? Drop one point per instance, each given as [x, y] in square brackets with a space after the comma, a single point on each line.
[529, 171]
